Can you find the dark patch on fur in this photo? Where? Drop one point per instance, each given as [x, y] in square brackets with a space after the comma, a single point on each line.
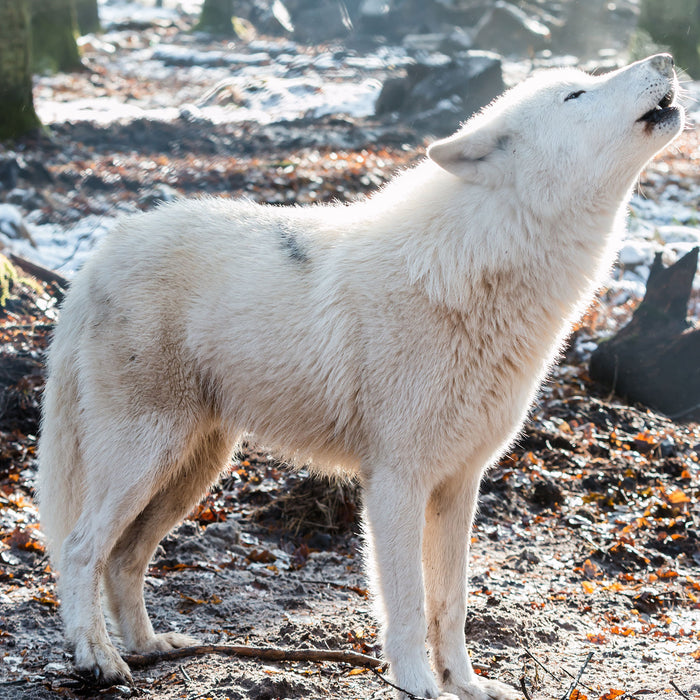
[446, 675]
[293, 246]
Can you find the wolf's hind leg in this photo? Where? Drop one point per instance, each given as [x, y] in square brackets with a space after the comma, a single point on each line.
[126, 466]
[128, 561]
[448, 524]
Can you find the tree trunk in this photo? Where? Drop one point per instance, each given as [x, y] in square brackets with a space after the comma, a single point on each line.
[88, 16]
[17, 115]
[54, 28]
[654, 359]
[215, 17]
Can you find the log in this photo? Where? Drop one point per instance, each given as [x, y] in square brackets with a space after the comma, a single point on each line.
[655, 359]
[40, 272]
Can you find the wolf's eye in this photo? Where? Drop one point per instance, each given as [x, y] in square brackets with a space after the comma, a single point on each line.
[574, 95]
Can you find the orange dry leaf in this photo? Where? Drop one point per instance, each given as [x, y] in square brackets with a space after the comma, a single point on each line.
[204, 513]
[588, 586]
[576, 694]
[590, 570]
[612, 694]
[597, 638]
[46, 598]
[677, 497]
[615, 586]
[264, 556]
[22, 539]
[666, 573]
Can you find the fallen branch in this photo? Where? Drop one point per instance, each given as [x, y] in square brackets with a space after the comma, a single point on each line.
[653, 359]
[39, 271]
[263, 653]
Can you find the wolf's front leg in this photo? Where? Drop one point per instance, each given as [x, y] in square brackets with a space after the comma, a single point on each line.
[448, 524]
[394, 518]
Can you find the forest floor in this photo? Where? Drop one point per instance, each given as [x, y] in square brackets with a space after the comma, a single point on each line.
[588, 538]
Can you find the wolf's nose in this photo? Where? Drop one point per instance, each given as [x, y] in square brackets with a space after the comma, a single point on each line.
[663, 63]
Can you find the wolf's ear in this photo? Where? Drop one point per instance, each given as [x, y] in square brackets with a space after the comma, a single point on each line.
[470, 154]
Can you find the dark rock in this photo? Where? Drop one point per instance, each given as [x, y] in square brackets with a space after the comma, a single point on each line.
[626, 557]
[269, 18]
[9, 172]
[316, 22]
[14, 167]
[438, 93]
[394, 19]
[508, 30]
[393, 96]
[546, 493]
[453, 42]
[648, 601]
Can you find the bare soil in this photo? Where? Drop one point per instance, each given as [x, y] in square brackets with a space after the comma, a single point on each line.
[587, 542]
[588, 538]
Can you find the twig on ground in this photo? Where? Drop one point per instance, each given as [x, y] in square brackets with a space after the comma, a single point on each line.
[568, 693]
[358, 590]
[540, 664]
[409, 695]
[546, 670]
[680, 692]
[263, 653]
[523, 687]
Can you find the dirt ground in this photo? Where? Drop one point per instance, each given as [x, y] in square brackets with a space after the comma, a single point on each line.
[587, 542]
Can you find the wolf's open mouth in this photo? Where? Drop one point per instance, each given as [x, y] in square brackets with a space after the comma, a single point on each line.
[661, 111]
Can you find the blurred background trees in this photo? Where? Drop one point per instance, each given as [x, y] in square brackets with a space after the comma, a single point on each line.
[37, 36]
[216, 17]
[17, 115]
[88, 16]
[54, 29]
[674, 24]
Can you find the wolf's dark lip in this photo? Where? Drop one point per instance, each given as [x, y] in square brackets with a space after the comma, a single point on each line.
[658, 115]
[662, 109]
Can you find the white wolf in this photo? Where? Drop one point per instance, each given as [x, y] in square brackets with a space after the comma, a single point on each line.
[401, 338]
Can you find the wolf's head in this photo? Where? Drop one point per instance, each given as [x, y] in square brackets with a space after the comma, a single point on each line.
[563, 134]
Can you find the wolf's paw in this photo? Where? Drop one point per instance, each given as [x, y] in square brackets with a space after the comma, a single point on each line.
[101, 664]
[165, 642]
[485, 690]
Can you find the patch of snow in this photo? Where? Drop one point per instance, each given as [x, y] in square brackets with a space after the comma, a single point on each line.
[100, 110]
[11, 222]
[115, 12]
[62, 249]
[636, 252]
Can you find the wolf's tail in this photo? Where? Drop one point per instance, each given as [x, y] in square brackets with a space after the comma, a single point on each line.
[61, 475]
